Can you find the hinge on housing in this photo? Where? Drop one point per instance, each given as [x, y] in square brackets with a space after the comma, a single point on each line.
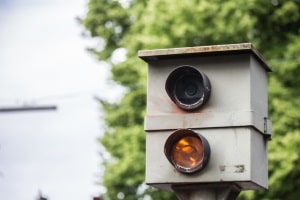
[268, 128]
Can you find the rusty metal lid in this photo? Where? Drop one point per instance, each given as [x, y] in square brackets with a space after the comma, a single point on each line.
[161, 54]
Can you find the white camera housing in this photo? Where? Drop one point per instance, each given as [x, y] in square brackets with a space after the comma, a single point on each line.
[234, 119]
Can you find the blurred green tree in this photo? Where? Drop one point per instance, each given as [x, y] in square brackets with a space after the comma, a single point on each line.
[273, 26]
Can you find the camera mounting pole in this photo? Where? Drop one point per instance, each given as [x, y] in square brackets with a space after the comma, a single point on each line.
[218, 191]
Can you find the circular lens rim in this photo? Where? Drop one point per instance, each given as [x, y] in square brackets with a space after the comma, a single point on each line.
[178, 74]
[173, 140]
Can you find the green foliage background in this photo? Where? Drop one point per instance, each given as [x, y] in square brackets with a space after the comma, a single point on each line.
[273, 26]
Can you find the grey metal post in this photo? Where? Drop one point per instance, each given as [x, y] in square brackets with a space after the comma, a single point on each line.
[207, 192]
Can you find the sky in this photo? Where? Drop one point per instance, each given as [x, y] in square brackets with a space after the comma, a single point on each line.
[43, 61]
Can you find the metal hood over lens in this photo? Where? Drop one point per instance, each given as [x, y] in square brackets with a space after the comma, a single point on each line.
[188, 88]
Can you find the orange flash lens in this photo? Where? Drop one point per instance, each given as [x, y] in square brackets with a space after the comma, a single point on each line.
[188, 152]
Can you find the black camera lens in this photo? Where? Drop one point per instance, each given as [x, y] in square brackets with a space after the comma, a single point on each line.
[188, 88]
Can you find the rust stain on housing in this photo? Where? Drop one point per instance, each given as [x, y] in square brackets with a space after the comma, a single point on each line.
[232, 169]
[222, 168]
[239, 168]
